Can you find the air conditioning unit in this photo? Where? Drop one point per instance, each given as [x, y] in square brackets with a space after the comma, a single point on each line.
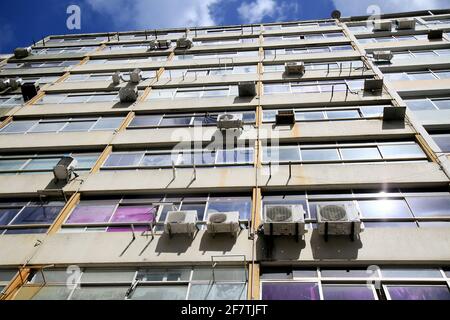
[435, 34]
[64, 168]
[152, 44]
[29, 90]
[15, 83]
[20, 53]
[136, 76]
[5, 83]
[128, 94]
[373, 85]
[284, 220]
[406, 23]
[163, 44]
[181, 222]
[229, 121]
[116, 77]
[285, 117]
[382, 26]
[294, 68]
[247, 89]
[223, 222]
[184, 43]
[394, 113]
[338, 219]
[382, 55]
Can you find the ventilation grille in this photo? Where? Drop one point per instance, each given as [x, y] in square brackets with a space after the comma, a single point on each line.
[333, 213]
[278, 214]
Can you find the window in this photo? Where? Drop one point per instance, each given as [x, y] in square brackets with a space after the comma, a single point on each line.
[350, 284]
[228, 55]
[317, 114]
[314, 86]
[28, 216]
[119, 213]
[7, 101]
[396, 209]
[194, 92]
[342, 152]
[179, 157]
[42, 163]
[197, 283]
[47, 64]
[442, 140]
[62, 125]
[306, 50]
[79, 98]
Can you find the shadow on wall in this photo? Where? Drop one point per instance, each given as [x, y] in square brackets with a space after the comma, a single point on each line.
[178, 243]
[219, 242]
[288, 249]
[336, 248]
[279, 248]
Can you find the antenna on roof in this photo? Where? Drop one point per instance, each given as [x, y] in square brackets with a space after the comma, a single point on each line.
[34, 42]
[43, 41]
[145, 33]
[108, 37]
[118, 36]
[336, 14]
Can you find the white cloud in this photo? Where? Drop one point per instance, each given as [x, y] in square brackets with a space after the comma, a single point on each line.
[145, 14]
[354, 8]
[256, 11]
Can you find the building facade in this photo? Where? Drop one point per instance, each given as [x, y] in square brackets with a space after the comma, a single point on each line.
[346, 113]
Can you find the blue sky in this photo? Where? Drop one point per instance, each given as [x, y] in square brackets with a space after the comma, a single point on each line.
[22, 21]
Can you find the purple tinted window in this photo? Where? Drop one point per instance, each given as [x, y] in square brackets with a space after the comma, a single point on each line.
[430, 206]
[91, 214]
[417, 292]
[347, 292]
[6, 215]
[290, 291]
[31, 215]
[134, 214]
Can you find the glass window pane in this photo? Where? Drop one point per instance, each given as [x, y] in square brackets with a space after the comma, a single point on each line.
[92, 275]
[9, 165]
[6, 215]
[242, 206]
[345, 273]
[347, 292]
[171, 292]
[443, 141]
[218, 291]
[343, 114]
[143, 121]
[85, 161]
[435, 206]
[107, 124]
[220, 274]
[319, 115]
[290, 291]
[418, 292]
[48, 127]
[235, 156]
[18, 126]
[164, 275]
[421, 76]
[158, 160]
[320, 155]
[35, 215]
[384, 209]
[442, 104]
[100, 293]
[91, 213]
[123, 159]
[360, 153]
[102, 97]
[401, 151]
[276, 154]
[134, 214]
[200, 208]
[78, 126]
[52, 293]
[411, 273]
[420, 104]
[175, 121]
[41, 164]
